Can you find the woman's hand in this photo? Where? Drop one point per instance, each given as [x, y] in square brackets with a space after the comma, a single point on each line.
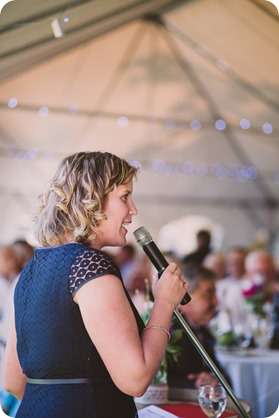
[171, 287]
[132, 359]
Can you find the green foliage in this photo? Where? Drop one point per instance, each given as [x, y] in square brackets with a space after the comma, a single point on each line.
[256, 302]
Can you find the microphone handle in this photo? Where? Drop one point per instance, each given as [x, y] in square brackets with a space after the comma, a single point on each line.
[160, 263]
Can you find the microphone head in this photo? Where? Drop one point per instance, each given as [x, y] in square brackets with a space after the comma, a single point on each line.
[142, 236]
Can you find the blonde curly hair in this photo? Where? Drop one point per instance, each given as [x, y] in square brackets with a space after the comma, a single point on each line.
[72, 204]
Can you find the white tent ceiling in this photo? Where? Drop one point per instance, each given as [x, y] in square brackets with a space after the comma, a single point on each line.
[146, 80]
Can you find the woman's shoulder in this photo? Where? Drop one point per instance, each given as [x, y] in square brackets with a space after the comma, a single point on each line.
[88, 264]
[86, 254]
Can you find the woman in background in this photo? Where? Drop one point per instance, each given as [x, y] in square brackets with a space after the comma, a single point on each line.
[76, 347]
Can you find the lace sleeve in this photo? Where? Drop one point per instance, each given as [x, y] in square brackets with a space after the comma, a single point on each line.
[88, 265]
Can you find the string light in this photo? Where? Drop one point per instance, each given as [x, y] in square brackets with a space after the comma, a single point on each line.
[202, 169]
[220, 124]
[12, 103]
[195, 125]
[242, 174]
[170, 125]
[31, 154]
[123, 121]
[267, 128]
[244, 123]
[73, 109]
[221, 171]
[43, 111]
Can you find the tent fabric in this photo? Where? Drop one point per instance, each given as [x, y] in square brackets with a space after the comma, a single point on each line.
[186, 90]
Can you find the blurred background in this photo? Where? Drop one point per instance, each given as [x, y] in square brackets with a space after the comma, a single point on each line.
[186, 90]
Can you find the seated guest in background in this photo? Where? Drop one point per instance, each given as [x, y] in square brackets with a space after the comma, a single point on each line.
[134, 268]
[236, 262]
[229, 289]
[125, 258]
[203, 248]
[260, 264]
[22, 252]
[217, 263]
[9, 269]
[191, 371]
[143, 270]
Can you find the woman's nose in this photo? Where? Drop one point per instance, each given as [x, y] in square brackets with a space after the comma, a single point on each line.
[133, 210]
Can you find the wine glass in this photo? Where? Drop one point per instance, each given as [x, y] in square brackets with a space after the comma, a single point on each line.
[212, 399]
[262, 332]
[243, 335]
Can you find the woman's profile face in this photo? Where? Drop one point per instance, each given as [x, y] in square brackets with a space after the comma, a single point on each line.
[119, 210]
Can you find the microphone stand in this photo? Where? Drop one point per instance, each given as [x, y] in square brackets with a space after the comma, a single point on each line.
[145, 240]
[209, 362]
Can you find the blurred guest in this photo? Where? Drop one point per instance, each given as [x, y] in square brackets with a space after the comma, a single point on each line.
[261, 269]
[9, 269]
[22, 252]
[236, 262]
[197, 314]
[126, 260]
[261, 263]
[134, 269]
[203, 239]
[143, 270]
[229, 289]
[217, 263]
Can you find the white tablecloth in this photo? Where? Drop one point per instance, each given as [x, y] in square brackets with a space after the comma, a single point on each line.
[255, 378]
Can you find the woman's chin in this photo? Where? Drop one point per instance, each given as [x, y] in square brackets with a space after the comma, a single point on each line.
[122, 242]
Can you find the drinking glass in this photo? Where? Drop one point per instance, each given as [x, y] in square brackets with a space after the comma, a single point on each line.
[243, 335]
[262, 332]
[212, 399]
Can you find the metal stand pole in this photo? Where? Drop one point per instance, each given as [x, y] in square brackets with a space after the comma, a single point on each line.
[210, 362]
[145, 240]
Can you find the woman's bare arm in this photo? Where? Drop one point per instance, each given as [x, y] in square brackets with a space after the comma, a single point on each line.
[131, 361]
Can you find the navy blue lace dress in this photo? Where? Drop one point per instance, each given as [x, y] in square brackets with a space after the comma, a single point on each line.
[53, 343]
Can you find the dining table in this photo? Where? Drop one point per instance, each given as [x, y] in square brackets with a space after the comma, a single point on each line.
[183, 403]
[254, 377]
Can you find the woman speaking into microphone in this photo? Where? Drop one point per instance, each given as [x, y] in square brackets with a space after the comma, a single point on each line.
[77, 346]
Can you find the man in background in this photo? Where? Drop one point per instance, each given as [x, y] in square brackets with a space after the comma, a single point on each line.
[203, 248]
[191, 370]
